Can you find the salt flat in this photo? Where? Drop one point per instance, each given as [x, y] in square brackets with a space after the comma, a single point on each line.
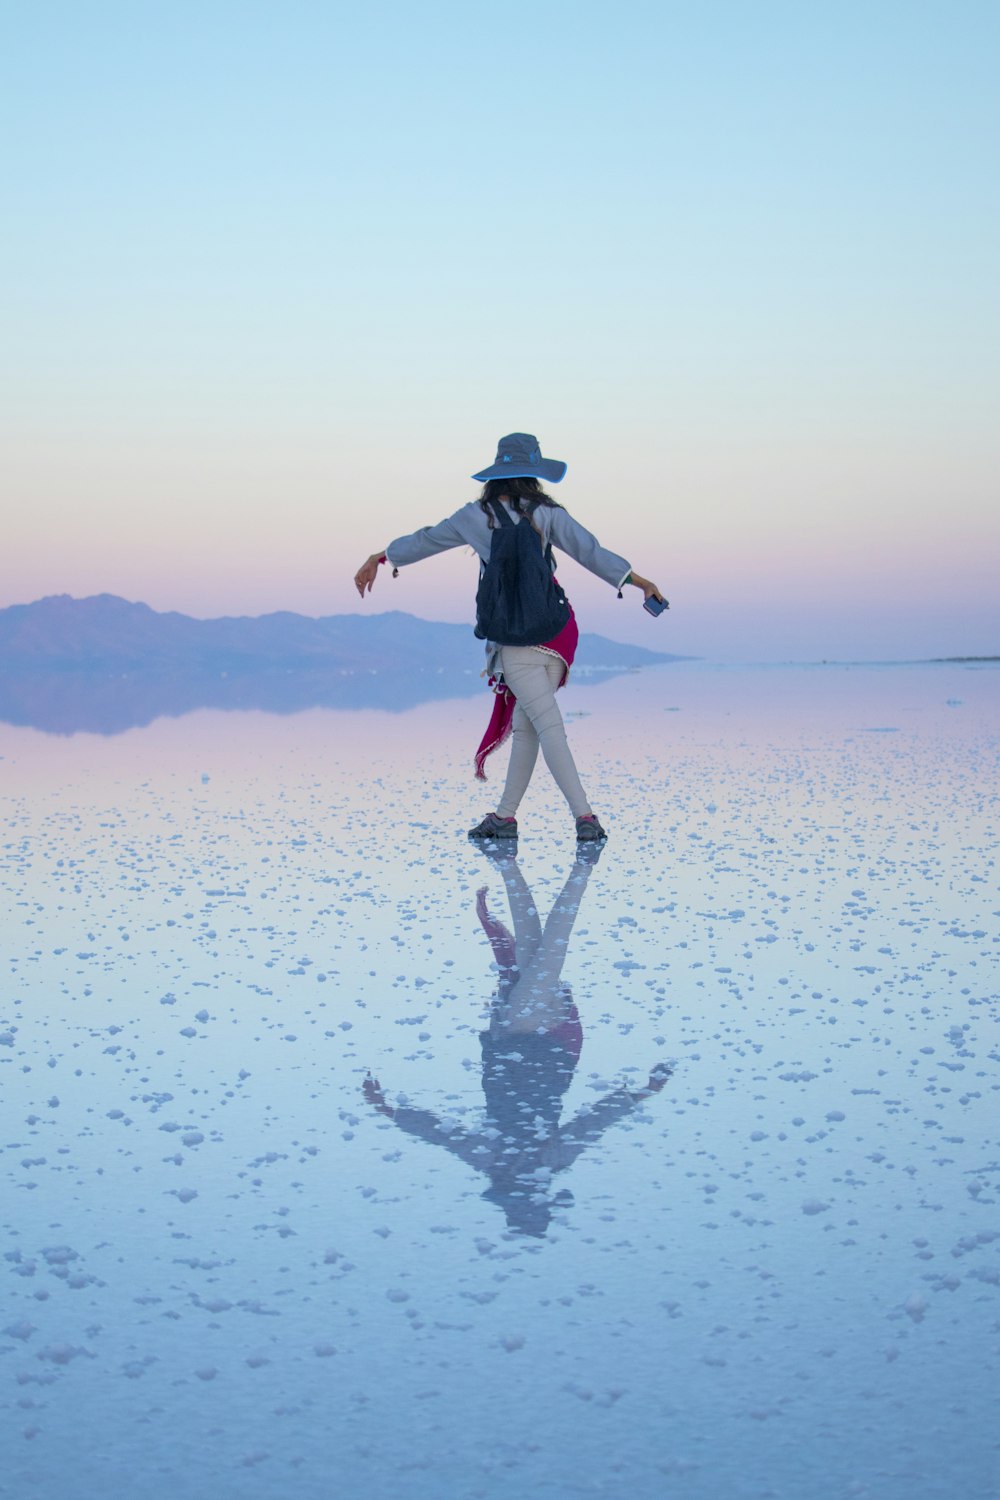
[309, 1191]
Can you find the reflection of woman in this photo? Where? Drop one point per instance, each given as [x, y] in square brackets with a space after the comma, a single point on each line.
[525, 677]
[530, 1050]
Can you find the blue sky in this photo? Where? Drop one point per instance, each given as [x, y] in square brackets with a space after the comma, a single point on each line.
[278, 278]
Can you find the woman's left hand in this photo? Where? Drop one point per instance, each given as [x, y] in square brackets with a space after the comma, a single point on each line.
[364, 578]
[649, 590]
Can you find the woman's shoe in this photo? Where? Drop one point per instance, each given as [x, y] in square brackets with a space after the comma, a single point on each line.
[493, 827]
[589, 830]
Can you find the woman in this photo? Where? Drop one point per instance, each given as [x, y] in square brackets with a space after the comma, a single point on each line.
[525, 678]
[530, 1051]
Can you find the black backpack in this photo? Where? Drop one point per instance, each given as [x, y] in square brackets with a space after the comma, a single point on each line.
[518, 602]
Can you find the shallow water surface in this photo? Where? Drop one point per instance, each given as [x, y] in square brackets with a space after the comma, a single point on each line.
[341, 1157]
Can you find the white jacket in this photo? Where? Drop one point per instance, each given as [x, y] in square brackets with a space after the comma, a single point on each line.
[469, 527]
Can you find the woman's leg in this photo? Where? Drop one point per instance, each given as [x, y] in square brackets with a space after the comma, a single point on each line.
[523, 754]
[533, 677]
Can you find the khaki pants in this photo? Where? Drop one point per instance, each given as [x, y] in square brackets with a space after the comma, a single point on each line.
[533, 676]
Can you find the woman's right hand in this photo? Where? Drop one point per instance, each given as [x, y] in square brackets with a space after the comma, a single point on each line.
[364, 578]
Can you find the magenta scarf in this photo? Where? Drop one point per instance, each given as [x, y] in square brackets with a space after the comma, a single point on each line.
[562, 645]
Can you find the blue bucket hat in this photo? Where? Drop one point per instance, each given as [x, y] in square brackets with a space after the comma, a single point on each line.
[519, 457]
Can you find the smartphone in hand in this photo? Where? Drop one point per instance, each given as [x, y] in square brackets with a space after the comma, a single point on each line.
[655, 606]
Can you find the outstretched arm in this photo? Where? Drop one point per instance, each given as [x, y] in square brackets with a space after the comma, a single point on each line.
[583, 547]
[426, 1126]
[427, 542]
[581, 544]
[591, 1123]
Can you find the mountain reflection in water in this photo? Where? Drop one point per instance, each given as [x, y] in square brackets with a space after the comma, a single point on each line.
[109, 703]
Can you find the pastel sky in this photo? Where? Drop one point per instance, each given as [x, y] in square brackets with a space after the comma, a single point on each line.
[278, 276]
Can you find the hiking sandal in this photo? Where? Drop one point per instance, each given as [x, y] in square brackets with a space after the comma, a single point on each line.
[589, 830]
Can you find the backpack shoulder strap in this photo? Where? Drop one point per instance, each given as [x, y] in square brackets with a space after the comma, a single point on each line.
[501, 514]
[532, 507]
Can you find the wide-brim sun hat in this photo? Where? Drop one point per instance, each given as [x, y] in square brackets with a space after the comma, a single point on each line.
[520, 457]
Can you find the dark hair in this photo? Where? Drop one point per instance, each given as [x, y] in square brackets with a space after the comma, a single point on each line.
[520, 492]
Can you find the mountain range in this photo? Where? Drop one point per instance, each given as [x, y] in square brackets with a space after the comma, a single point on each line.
[106, 664]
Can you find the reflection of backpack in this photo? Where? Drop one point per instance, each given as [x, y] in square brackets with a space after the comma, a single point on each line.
[519, 603]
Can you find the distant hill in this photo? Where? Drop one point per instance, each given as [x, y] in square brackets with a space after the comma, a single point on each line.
[105, 664]
[61, 632]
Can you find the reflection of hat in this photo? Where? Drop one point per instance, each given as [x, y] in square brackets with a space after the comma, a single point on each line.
[519, 457]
